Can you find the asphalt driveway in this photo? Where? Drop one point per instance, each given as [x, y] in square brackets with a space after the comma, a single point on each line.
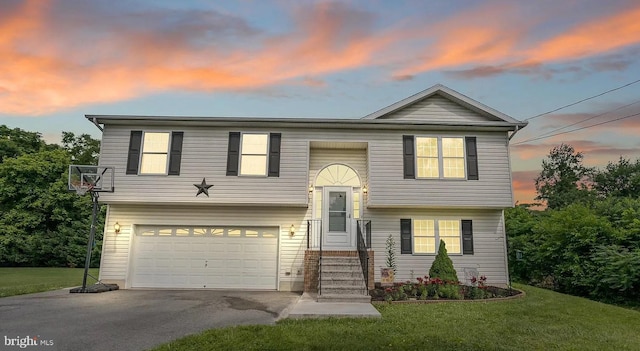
[131, 319]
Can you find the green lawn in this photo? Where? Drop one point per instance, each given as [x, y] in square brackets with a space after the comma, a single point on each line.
[18, 281]
[543, 320]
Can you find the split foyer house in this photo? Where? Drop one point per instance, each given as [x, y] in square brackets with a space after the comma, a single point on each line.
[269, 203]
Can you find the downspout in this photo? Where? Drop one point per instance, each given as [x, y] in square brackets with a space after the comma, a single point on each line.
[514, 132]
[95, 122]
[504, 229]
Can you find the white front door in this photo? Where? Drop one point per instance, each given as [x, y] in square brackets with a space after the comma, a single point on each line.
[337, 221]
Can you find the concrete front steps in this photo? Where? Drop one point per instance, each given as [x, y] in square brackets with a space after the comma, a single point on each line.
[342, 280]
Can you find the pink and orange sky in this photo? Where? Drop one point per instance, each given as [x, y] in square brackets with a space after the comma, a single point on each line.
[61, 59]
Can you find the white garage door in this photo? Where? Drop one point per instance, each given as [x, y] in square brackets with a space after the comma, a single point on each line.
[205, 257]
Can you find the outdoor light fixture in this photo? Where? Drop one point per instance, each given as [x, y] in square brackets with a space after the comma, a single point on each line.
[310, 188]
[365, 190]
[116, 227]
[292, 230]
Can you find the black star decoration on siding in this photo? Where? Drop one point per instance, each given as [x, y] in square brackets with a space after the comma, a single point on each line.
[203, 188]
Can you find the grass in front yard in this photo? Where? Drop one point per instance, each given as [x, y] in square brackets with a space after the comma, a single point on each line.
[18, 281]
[543, 320]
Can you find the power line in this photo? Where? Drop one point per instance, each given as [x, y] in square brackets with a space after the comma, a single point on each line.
[588, 119]
[583, 100]
[577, 129]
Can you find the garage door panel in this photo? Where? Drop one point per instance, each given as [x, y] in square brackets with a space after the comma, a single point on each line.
[165, 263]
[183, 247]
[216, 263]
[215, 258]
[180, 263]
[252, 265]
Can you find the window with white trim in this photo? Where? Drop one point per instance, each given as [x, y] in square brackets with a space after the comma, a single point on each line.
[155, 151]
[427, 158]
[253, 154]
[440, 157]
[427, 234]
[424, 236]
[449, 232]
[453, 158]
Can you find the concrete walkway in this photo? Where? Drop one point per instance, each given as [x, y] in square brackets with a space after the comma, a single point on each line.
[308, 307]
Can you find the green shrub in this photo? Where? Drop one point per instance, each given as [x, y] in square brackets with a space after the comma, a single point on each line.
[442, 266]
[449, 291]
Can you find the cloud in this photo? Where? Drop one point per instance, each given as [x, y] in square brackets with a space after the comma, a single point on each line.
[102, 54]
[467, 38]
[404, 77]
[314, 82]
[524, 185]
[60, 54]
[587, 147]
[591, 38]
[477, 48]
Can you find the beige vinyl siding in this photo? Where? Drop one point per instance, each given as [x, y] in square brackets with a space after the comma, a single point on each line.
[388, 188]
[204, 155]
[488, 243]
[436, 109]
[116, 248]
[354, 158]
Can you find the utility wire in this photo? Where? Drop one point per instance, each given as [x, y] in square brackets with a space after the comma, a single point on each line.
[577, 129]
[588, 119]
[583, 100]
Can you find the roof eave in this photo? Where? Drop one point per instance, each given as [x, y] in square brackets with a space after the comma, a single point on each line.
[296, 123]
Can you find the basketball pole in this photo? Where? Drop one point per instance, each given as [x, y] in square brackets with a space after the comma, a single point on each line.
[92, 234]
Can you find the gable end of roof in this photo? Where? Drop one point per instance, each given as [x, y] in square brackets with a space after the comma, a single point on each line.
[450, 94]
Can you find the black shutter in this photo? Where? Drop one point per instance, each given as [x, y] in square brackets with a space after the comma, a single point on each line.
[133, 160]
[408, 157]
[274, 154]
[405, 236]
[472, 158]
[175, 153]
[467, 237]
[233, 153]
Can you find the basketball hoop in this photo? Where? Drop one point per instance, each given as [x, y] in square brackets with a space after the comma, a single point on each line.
[81, 189]
[94, 180]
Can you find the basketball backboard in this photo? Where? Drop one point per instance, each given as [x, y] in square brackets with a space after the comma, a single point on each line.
[83, 178]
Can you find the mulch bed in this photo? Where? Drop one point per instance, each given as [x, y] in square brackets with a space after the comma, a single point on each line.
[497, 294]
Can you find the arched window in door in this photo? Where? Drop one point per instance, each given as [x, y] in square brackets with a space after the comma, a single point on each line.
[337, 175]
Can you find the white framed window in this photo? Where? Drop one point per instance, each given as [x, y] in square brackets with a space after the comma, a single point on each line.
[427, 157]
[440, 157]
[427, 234]
[449, 232]
[155, 151]
[424, 236]
[253, 154]
[453, 158]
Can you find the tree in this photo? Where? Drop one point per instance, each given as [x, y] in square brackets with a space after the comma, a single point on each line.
[564, 241]
[519, 224]
[442, 266]
[16, 142]
[621, 179]
[84, 150]
[41, 223]
[562, 180]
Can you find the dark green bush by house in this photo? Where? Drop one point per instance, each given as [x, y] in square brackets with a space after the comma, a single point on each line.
[442, 266]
